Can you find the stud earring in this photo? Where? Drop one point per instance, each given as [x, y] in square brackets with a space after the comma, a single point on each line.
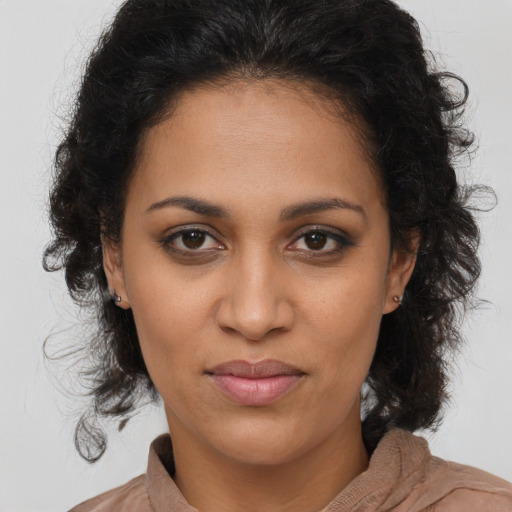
[116, 299]
[398, 299]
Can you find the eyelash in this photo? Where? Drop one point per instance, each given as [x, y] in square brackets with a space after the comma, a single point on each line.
[342, 241]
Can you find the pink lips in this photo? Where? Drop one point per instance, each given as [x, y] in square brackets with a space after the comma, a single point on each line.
[255, 384]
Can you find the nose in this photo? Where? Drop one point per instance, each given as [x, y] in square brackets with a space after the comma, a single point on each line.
[256, 301]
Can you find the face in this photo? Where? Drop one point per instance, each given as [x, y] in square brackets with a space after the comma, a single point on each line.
[256, 258]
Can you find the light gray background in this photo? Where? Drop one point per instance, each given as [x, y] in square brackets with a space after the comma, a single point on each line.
[42, 46]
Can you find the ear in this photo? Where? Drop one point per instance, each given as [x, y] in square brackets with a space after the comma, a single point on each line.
[114, 271]
[400, 270]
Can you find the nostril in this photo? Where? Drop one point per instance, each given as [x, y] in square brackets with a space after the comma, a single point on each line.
[253, 313]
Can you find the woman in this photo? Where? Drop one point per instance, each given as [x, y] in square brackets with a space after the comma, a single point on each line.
[265, 192]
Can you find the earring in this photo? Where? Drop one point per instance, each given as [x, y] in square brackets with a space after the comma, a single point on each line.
[398, 299]
[116, 299]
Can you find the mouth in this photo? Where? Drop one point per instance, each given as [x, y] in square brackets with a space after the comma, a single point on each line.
[255, 384]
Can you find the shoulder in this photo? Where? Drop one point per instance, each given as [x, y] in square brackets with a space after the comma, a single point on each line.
[155, 490]
[457, 487]
[130, 497]
[437, 485]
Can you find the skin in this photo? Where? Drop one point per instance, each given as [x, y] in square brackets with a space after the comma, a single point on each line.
[258, 288]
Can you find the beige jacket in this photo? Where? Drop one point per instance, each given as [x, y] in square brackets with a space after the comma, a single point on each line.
[402, 477]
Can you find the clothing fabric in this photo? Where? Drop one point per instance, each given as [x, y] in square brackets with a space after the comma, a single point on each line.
[402, 476]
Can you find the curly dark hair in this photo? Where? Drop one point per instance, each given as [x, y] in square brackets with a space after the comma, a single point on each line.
[369, 55]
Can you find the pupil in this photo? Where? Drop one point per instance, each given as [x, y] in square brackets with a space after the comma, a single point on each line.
[193, 239]
[316, 240]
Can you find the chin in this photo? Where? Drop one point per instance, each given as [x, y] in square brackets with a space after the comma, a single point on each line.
[261, 445]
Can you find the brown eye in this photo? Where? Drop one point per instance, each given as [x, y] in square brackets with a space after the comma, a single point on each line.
[315, 240]
[193, 239]
[322, 242]
[191, 242]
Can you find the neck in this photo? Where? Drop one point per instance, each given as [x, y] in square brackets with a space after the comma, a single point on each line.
[210, 481]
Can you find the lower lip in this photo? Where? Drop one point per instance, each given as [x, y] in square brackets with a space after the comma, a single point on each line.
[255, 391]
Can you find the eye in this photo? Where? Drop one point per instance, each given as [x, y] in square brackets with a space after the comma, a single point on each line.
[186, 241]
[321, 241]
[316, 240]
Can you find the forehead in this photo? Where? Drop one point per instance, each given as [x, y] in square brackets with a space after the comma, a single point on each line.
[292, 106]
[246, 136]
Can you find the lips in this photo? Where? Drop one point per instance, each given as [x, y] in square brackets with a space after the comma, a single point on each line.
[255, 384]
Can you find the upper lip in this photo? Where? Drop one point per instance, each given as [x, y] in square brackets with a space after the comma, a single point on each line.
[261, 369]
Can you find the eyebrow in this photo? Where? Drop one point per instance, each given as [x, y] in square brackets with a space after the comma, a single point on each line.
[199, 206]
[203, 207]
[301, 209]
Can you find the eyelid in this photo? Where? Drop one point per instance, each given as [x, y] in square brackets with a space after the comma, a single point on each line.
[203, 228]
[340, 237]
[177, 231]
[318, 227]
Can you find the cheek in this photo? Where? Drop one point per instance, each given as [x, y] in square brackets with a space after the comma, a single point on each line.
[345, 321]
[168, 327]
[348, 302]
[165, 298]
[348, 340]
[169, 311]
